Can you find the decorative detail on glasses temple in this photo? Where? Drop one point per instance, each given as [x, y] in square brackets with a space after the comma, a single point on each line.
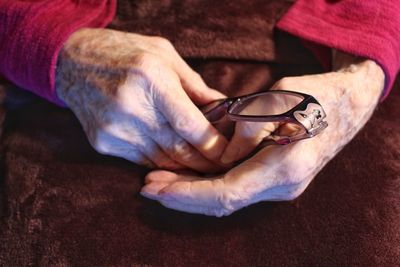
[311, 118]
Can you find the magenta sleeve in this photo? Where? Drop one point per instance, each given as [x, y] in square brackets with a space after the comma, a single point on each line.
[366, 28]
[32, 34]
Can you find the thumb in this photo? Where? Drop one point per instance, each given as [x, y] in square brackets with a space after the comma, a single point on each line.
[247, 136]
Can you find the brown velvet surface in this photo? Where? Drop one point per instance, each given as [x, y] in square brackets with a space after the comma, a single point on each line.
[62, 204]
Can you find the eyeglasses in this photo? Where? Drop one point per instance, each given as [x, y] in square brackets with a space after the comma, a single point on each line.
[299, 115]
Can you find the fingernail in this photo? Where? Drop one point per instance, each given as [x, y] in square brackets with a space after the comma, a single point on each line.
[148, 195]
[227, 158]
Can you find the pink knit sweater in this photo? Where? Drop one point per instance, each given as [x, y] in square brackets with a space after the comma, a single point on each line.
[33, 32]
[366, 28]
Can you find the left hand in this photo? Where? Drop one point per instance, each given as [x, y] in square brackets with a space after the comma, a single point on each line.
[349, 97]
[135, 99]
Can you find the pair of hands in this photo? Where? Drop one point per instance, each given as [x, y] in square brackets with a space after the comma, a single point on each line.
[136, 99]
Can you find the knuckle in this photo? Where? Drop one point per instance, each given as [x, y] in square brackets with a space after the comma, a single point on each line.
[180, 150]
[292, 195]
[231, 201]
[145, 162]
[198, 80]
[162, 43]
[185, 124]
[294, 191]
[98, 142]
[146, 59]
[166, 164]
[283, 83]
[196, 75]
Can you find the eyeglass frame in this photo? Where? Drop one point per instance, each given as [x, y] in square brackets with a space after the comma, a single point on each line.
[316, 126]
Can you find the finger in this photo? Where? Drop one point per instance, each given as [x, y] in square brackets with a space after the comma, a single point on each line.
[261, 178]
[144, 161]
[195, 86]
[187, 120]
[195, 209]
[173, 191]
[160, 176]
[108, 144]
[248, 183]
[150, 191]
[157, 180]
[192, 82]
[152, 151]
[247, 136]
[181, 151]
[135, 157]
[147, 152]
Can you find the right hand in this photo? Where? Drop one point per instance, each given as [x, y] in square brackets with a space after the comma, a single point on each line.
[349, 96]
[133, 96]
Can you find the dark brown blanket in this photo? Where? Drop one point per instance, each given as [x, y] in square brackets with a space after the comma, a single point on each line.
[62, 204]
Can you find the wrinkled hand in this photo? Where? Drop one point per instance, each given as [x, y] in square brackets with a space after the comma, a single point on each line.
[135, 98]
[349, 97]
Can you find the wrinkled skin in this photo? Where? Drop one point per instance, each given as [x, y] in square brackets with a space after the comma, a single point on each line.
[349, 96]
[135, 98]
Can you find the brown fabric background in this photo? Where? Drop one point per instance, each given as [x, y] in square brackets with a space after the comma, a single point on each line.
[62, 204]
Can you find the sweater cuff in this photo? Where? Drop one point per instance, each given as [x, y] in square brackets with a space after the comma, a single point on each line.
[32, 51]
[319, 26]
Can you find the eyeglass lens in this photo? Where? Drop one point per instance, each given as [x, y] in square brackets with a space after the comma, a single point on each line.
[265, 104]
